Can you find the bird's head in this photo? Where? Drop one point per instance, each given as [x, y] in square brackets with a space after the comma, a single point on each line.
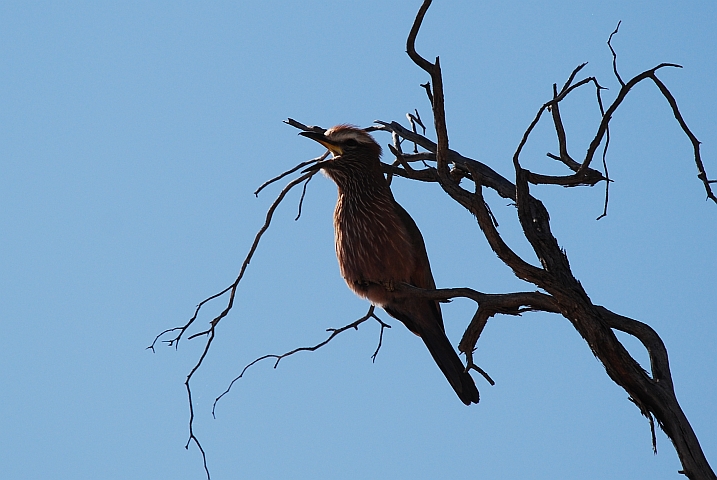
[352, 148]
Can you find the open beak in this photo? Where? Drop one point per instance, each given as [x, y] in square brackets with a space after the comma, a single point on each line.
[333, 147]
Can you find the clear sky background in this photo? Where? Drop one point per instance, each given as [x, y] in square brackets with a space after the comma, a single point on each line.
[132, 136]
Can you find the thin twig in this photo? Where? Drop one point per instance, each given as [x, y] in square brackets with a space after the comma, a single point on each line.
[210, 332]
[301, 126]
[427, 87]
[570, 79]
[334, 333]
[610, 111]
[192, 436]
[607, 176]
[485, 375]
[303, 194]
[614, 55]
[413, 120]
[380, 338]
[701, 173]
[290, 171]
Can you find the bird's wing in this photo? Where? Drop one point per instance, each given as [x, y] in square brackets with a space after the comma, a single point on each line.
[422, 276]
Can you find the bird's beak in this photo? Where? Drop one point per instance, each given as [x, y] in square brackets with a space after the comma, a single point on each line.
[333, 147]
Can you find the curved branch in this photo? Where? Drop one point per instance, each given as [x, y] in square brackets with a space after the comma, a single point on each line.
[334, 333]
[702, 174]
[289, 172]
[614, 55]
[210, 332]
[487, 176]
[233, 287]
[489, 305]
[437, 100]
[595, 143]
[653, 396]
[659, 363]
[411, 41]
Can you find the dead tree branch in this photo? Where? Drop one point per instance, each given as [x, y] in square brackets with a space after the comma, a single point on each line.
[334, 333]
[231, 289]
[559, 291]
[654, 395]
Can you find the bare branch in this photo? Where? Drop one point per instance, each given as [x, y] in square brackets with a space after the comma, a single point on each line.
[652, 397]
[424, 175]
[427, 87]
[702, 174]
[487, 176]
[192, 436]
[413, 120]
[380, 338]
[290, 171]
[334, 333]
[653, 393]
[582, 176]
[417, 119]
[614, 55]
[479, 208]
[591, 177]
[488, 305]
[437, 101]
[560, 130]
[303, 194]
[210, 332]
[473, 366]
[419, 157]
[572, 76]
[232, 288]
[607, 116]
[659, 363]
[607, 176]
[411, 41]
[305, 128]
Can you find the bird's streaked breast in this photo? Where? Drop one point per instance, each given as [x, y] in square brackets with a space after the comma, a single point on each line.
[371, 242]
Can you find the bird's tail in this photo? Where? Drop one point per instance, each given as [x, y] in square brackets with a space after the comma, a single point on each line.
[450, 364]
[424, 319]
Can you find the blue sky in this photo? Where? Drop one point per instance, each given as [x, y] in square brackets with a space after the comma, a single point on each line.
[133, 135]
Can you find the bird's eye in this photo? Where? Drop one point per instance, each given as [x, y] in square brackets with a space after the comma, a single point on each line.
[351, 143]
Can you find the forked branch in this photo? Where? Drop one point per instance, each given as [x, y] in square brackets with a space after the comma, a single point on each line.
[560, 292]
[334, 332]
[231, 289]
[654, 395]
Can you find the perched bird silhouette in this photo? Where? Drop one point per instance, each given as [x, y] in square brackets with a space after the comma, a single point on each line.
[379, 246]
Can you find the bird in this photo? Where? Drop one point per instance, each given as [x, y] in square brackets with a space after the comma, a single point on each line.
[379, 246]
